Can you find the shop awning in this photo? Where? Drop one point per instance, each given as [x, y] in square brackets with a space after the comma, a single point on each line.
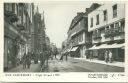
[69, 49]
[113, 46]
[74, 48]
[93, 47]
[106, 46]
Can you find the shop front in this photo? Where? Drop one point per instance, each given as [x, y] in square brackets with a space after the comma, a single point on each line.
[118, 51]
[11, 46]
[75, 52]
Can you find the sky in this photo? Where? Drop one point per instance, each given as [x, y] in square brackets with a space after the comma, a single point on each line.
[58, 17]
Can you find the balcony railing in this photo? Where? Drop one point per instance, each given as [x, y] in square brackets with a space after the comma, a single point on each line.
[97, 36]
[114, 32]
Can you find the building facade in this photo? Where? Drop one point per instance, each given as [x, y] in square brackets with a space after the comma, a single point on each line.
[47, 39]
[16, 32]
[38, 34]
[107, 25]
[78, 35]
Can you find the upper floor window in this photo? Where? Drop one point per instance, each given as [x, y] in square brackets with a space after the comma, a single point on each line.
[117, 25]
[91, 22]
[13, 7]
[97, 19]
[81, 38]
[105, 15]
[107, 28]
[122, 24]
[114, 11]
[112, 26]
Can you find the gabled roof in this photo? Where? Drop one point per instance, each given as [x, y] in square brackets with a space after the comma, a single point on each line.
[76, 19]
[93, 7]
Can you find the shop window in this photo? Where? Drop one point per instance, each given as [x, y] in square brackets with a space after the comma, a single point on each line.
[97, 19]
[114, 11]
[105, 15]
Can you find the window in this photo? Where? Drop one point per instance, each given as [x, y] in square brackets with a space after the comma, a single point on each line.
[107, 28]
[115, 11]
[97, 19]
[13, 7]
[116, 25]
[105, 15]
[94, 32]
[91, 22]
[81, 38]
[123, 24]
[112, 26]
[102, 30]
[17, 9]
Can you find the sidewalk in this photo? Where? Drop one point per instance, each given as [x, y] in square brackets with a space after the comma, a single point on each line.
[97, 65]
[33, 68]
[118, 64]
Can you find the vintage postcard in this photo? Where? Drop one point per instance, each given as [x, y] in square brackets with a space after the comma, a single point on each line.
[63, 41]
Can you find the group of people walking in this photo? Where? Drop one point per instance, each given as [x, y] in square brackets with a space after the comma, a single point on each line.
[44, 57]
[108, 56]
[26, 60]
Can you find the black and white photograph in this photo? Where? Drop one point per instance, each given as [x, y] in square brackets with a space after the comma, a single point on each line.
[64, 37]
[63, 82]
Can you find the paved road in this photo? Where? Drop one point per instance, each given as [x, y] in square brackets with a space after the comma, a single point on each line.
[57, 65]
[72, 65]
[75, 65]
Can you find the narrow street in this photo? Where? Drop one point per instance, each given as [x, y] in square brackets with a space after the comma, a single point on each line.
[76, 65]
[71, 65]
[92, 41]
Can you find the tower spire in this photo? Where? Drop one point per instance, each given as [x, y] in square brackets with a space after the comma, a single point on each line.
[37, 10]
[43, 22]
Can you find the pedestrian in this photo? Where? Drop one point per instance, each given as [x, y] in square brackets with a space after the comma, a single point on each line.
[61, 58]
[106, 56]
[110, 56]
[91, 55]
[47, 57]
[24, 61]
[42, 59]
[66, 56]
[28, 60]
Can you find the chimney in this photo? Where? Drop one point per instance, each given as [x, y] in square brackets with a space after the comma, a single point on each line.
[79, 13]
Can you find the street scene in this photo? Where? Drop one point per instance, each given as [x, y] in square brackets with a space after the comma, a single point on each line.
[68, 37]
[64, 82]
